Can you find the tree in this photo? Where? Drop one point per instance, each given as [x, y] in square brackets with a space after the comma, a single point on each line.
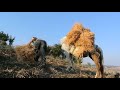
[56, 50]
[11, 40]
[5, 37]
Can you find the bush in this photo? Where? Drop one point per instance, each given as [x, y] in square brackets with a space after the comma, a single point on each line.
[56, 50]
[3, 42]
[7, 51]
[5, 37]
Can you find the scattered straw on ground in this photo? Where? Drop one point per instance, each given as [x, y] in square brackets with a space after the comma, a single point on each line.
[25, 53]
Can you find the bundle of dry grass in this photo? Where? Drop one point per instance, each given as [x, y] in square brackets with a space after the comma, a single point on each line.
[86, 39]
[74, 34]
[84, 44]
[78, 51]
[79, 40]
[25, 53]
[74, 37]
[77, 27]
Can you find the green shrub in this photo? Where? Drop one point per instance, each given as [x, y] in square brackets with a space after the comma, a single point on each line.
[5, 37]
[56, 50]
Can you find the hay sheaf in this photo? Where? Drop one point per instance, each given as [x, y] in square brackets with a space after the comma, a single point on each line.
[74, 33]
[73, 38]
[76, 27]
[78, 41]
[86, 39]
[78, 52]
[25, 53]
[84, 43]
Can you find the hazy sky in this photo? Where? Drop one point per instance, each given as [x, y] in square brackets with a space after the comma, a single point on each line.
[52, 26]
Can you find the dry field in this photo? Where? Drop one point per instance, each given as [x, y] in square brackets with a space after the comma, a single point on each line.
[55, 68]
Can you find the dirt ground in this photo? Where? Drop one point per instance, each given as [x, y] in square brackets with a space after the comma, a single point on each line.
[55, 68]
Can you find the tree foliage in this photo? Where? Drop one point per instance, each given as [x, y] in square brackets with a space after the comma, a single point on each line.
[11, 40]
[56, 50]
[6, 37]
[3, 36]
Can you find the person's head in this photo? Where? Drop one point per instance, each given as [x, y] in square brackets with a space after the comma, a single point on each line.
[34, 39]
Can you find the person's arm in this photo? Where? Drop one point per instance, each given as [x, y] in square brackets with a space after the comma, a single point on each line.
[30, 42]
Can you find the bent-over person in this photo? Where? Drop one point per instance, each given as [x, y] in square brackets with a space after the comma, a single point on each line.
[40, 50]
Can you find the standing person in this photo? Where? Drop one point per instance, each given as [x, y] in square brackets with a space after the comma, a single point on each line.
[40, 50]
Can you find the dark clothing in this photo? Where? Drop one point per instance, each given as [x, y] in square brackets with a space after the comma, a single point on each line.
[40, 50]
[40, 44]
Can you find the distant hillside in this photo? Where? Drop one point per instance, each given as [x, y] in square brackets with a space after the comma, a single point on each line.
[113, 69]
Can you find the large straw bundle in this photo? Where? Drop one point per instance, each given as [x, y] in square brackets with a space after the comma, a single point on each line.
[86, 39]
[25, 53]
[78, 40]
[77, 27]
[74, 34]
[78, 51]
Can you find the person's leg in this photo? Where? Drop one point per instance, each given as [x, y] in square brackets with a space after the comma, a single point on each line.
[36, 55]
[37, 51]
[43, 59]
